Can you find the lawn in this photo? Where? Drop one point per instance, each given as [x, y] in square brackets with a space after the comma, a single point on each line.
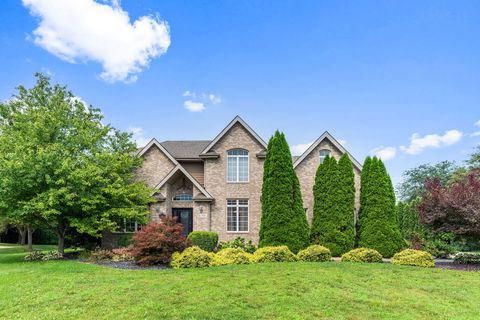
[72, 290]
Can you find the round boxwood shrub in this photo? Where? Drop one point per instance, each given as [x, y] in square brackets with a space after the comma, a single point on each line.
[411, 257]
[231, 256]
[315, 253]
[192, 257]
[274, 254]
[204, 239]
[362, 255]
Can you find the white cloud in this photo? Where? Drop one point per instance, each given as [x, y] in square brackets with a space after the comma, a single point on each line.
[418, 143]
[385, 153]
[202, 100]
[194, 106]
[477, 123]
[138, 136]
[214, 99]
[298, 149]
[342, 142]
[475, 134]
[86, 30]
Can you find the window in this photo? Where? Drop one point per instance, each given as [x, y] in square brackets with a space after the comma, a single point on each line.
[323, 154]
[237, 165]
[237, 215]
[183, 197]
[128, 225]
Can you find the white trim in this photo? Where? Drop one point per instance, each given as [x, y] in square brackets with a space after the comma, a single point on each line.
[159, 146]
[238, 171]
[188, 175]
[238, 214]
[237, 119]
[337, 144]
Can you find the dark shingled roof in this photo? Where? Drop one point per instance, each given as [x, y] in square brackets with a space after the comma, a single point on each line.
[190, 149]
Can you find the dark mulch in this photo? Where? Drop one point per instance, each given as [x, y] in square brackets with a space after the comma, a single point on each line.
[129, 265]
[457, 266]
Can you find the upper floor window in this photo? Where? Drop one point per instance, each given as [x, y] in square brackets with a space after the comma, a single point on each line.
[237, 165]
[183, 197]
[323, 154]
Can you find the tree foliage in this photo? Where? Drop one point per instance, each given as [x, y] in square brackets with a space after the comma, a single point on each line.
[284, 221]
[378, 222]
[413, 183]
[61, 167]
[454, 207]
[408, 219]
[334, 205]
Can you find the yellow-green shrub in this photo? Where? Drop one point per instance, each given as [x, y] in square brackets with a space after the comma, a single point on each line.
[411, 257]
[192, 257]
[274, 254]
[231, 256]
[362, 255]
[315, 253]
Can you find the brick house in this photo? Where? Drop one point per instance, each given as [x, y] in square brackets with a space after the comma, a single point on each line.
[215, 185]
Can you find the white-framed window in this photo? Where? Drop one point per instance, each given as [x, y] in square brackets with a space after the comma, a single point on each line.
[237, 215]
[183, 197]
[128, 225]
[237, 165]
[323, 154]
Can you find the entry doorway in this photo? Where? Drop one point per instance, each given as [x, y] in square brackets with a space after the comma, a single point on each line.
[185, 217]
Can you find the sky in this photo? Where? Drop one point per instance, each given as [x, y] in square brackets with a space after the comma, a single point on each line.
[397, 79]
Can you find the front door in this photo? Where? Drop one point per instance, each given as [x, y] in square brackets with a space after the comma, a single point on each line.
[185, 217]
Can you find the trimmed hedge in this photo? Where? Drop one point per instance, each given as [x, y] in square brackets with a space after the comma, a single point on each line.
[204, 239]
[231, 256]
[192, 257]
[315, 253]
[362, 255]
[238, 243]
[411, 257]
[467, 258]
[274, 254]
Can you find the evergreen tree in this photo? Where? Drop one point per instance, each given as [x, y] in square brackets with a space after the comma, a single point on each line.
[283, 218]
[378, 224]
[334, 205]
[363, 191]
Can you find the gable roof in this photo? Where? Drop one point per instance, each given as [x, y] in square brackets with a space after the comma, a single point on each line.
[329, 137]
[188, 149]
[152, 143]
[235, 120]
[177, 168]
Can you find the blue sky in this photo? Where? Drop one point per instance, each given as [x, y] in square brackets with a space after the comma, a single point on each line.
[372, 73]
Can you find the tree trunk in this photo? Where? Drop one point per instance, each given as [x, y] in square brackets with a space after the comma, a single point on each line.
[61, 238]
[30, 231]
[22, 232]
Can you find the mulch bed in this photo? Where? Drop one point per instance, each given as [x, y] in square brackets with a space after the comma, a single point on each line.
[457, 266]
[127, 265]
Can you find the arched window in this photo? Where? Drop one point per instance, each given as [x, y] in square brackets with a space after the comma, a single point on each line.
[237, 165]
[323, 154]
[183, 197]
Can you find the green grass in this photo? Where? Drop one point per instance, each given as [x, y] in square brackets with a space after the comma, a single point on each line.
[72, 290]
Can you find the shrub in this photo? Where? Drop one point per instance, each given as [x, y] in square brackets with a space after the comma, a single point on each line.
[192, 257]
[100, 255]
[315, 253]
[411, 257]
[43, 256]
[204, 240]
[122, 254]
[274, 254]
[231, 256]
[156, 242]
[467, 257]
[239, 243]
[441, 245]
[362, 255]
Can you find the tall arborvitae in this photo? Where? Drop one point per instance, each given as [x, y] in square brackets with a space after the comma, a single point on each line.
[378, 224]
[334, 205]
[283, 218]
[363, 191]
[346, 204]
